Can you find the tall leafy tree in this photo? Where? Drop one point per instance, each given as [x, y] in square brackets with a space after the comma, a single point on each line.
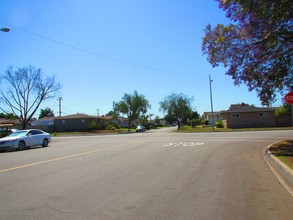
[27, 88]
[157, 120]
[133, 106]
[170, 119]
[177, 106]
[257, 47]
[47, 112]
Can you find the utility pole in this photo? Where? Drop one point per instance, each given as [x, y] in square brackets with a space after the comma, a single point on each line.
[5, 29]
[211, 98]
[60, 100]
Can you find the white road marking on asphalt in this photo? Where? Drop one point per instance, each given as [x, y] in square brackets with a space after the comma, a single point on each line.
[66, 157]
[183, 144]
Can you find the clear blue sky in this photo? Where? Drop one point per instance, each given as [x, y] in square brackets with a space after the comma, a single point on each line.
[101, 49]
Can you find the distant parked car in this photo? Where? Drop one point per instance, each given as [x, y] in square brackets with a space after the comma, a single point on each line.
[5, 131]
[13, 130]
[23, 139]
[140, 128]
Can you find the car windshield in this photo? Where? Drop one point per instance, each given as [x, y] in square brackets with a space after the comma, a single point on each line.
[18, 134]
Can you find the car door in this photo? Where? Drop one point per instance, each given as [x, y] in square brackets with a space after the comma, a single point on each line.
[37, 137]
[29, 140]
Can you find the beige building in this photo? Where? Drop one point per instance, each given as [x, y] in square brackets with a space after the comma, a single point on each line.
[212, 117]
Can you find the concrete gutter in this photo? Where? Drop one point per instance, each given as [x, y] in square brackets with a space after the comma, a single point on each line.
[280, 170]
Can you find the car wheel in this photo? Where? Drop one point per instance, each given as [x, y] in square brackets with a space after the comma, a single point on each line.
[21, 145]
[45, 142]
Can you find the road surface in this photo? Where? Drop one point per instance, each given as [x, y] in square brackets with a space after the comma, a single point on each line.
[153, 175]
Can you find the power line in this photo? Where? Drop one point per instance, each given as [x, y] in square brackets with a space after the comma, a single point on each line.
[98, 54]
[183, 87]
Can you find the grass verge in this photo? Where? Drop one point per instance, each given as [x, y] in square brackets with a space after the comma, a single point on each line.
[284, 151]
[210, 129]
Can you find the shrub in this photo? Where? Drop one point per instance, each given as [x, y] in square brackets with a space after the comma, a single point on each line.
[193, 123]
[94, 125]
[110, 127]
[219, 124]
[206, 122]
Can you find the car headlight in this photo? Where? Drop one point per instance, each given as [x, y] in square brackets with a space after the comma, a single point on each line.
[8, 141]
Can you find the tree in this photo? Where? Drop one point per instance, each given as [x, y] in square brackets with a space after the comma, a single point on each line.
[133, 106]
[8, 116]
[257, 47]
[284, 110]
[144, 120]
[177, 106]
[157, 120]
[115, 118]
[170, 119]
[27, 89]
[47, 112]
[195, 119]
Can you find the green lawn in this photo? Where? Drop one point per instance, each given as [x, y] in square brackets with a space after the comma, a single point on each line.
[210, 129]
[284, 151]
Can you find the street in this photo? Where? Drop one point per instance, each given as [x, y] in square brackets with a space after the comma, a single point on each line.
[152, 175]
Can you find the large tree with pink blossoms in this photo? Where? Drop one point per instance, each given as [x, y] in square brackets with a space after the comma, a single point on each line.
[256, 47]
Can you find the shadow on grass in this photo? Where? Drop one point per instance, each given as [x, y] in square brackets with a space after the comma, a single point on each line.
[283, 148]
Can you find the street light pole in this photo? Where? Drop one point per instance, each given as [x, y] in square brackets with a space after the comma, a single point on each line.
[211, 98]
[60, 109]
[4, 29]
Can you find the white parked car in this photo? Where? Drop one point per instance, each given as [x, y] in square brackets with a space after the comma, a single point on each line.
[23, 139]
[140, 128]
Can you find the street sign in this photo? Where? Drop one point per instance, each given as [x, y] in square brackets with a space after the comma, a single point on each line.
[289, 98]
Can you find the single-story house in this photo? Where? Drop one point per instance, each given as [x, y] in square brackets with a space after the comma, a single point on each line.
[45, 121]
[244, 115]
[209, 116]
[74, 122]
[7, 124]
[79, 122]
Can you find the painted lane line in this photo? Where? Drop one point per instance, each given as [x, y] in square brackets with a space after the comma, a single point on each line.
[184, 144]
[66, 157]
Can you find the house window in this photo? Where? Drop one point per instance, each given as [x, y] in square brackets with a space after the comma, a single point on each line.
[262, 114]
[235, 115]
[82, 120]
[62, 121]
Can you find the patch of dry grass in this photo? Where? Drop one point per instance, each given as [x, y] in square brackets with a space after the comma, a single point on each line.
[284, 151]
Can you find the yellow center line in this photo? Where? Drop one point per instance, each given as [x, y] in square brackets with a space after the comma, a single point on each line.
[66, 157]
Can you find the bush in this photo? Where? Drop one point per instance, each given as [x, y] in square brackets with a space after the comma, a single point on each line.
[94, 125]
[219, 124]
[152, 126]
[110, 127]
[193, 123]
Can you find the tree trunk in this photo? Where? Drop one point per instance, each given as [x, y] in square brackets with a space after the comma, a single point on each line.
[128, 124]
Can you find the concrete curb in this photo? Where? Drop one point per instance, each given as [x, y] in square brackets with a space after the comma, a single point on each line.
[283, 173]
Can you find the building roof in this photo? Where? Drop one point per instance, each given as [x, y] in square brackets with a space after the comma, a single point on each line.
[247, 108]
[82, 116]
[9, 121]
[74, 116]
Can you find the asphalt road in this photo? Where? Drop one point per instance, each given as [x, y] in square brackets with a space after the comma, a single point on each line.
[154, 175]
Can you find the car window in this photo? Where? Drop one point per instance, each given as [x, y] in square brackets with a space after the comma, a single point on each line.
[18, 134]
[35, 132]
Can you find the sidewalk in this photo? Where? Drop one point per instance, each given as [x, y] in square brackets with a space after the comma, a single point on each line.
[281, 170]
